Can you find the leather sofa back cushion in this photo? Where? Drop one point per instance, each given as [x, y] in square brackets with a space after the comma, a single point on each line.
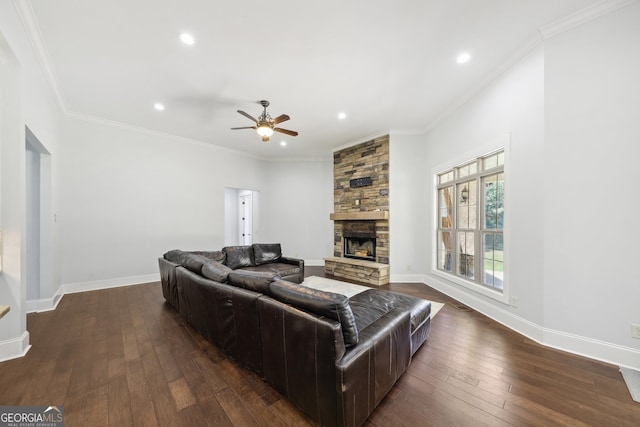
[238, 256]
[194, 262]
[174, 256]
[212, 255]
[266, 252]
[216, 271]
[256, 281]
[328, 304]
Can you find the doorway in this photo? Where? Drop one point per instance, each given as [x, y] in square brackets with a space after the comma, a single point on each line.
[241, 217]
[39, 280]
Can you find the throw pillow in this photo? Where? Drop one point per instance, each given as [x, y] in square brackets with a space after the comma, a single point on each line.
[216, 271]
[238, 256]
[266, 252]
[328, 304]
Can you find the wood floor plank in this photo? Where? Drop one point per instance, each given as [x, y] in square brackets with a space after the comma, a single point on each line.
[124, 357]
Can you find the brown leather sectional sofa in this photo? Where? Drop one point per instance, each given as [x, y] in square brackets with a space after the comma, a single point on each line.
[333, 357]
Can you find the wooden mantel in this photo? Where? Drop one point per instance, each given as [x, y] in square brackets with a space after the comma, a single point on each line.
[359, 216]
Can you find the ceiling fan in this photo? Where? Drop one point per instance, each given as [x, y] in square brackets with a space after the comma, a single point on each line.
[265, 125]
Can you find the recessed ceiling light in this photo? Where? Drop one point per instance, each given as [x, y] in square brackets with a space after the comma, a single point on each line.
[463, 57]
[342, 116]
[158, 106]
[283, 143]
[186, 38]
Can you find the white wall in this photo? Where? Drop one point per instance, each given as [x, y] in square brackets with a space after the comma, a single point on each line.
[128, 196]
[408, 204]
[296, 206]
[25, 100]
[592, 131]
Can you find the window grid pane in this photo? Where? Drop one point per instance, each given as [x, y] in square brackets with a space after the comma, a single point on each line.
[466, 250]
[467, 205]
[445, 244]
[493, 260]
[493, 187]
[445, 204]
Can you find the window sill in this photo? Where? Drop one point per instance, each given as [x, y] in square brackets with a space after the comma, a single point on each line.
[502, 297]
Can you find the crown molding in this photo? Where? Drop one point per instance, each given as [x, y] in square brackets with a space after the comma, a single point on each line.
[30, 24]
[583, 16]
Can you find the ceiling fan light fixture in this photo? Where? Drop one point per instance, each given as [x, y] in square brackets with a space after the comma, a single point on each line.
[463, 58]
[264, 129]
[187, 38]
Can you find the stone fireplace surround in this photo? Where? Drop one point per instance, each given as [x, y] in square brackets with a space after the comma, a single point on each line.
[361, 210]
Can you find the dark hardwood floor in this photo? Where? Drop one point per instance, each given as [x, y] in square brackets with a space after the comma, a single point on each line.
[123, 357]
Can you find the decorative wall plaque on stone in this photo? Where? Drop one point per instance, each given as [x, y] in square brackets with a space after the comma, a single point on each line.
[360, 182]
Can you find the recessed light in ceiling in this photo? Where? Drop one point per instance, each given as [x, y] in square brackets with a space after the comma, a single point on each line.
[158, 106]
[342, 116]
[463, 58]
[186, 38]
[283, 143]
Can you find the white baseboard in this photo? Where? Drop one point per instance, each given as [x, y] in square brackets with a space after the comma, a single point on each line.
[407, 278]
[46, 304]
[576, 344]
[14, 348]
[71, 288]
[314, 262]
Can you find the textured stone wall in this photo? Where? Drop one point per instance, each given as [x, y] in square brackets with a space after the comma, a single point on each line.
[367, 160]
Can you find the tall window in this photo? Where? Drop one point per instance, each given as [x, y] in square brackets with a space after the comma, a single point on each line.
[470, 242]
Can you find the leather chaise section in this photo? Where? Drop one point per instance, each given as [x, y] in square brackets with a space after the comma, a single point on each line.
[300, 351]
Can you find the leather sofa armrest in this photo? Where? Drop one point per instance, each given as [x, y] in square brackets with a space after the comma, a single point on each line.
[293, 261]
[369, 370]
[298, 278]
[300, 352]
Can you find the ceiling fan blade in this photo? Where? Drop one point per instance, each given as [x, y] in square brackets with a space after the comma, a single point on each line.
[245, 127]
[247, 116]
[281, 118]
[287, 131]
[265, 139]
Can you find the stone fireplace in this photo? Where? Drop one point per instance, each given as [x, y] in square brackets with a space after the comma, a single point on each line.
[361, 213]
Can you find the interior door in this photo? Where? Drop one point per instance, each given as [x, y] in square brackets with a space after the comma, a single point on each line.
[246, 223]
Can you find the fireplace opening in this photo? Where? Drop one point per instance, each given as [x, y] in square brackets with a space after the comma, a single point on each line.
[360, 248]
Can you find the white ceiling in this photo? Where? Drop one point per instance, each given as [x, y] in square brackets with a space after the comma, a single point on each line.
[389, 65]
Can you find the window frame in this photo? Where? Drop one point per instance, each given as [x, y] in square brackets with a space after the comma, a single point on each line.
[480, 231]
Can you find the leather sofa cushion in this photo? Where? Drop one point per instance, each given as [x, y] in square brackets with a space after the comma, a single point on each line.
[238, 256]
[328, 304]
[266, 252]
[216, 271]
[370, 305]
[174, 256]
[218, 256]
[257, 281]
[276, 267]
[194, 262]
